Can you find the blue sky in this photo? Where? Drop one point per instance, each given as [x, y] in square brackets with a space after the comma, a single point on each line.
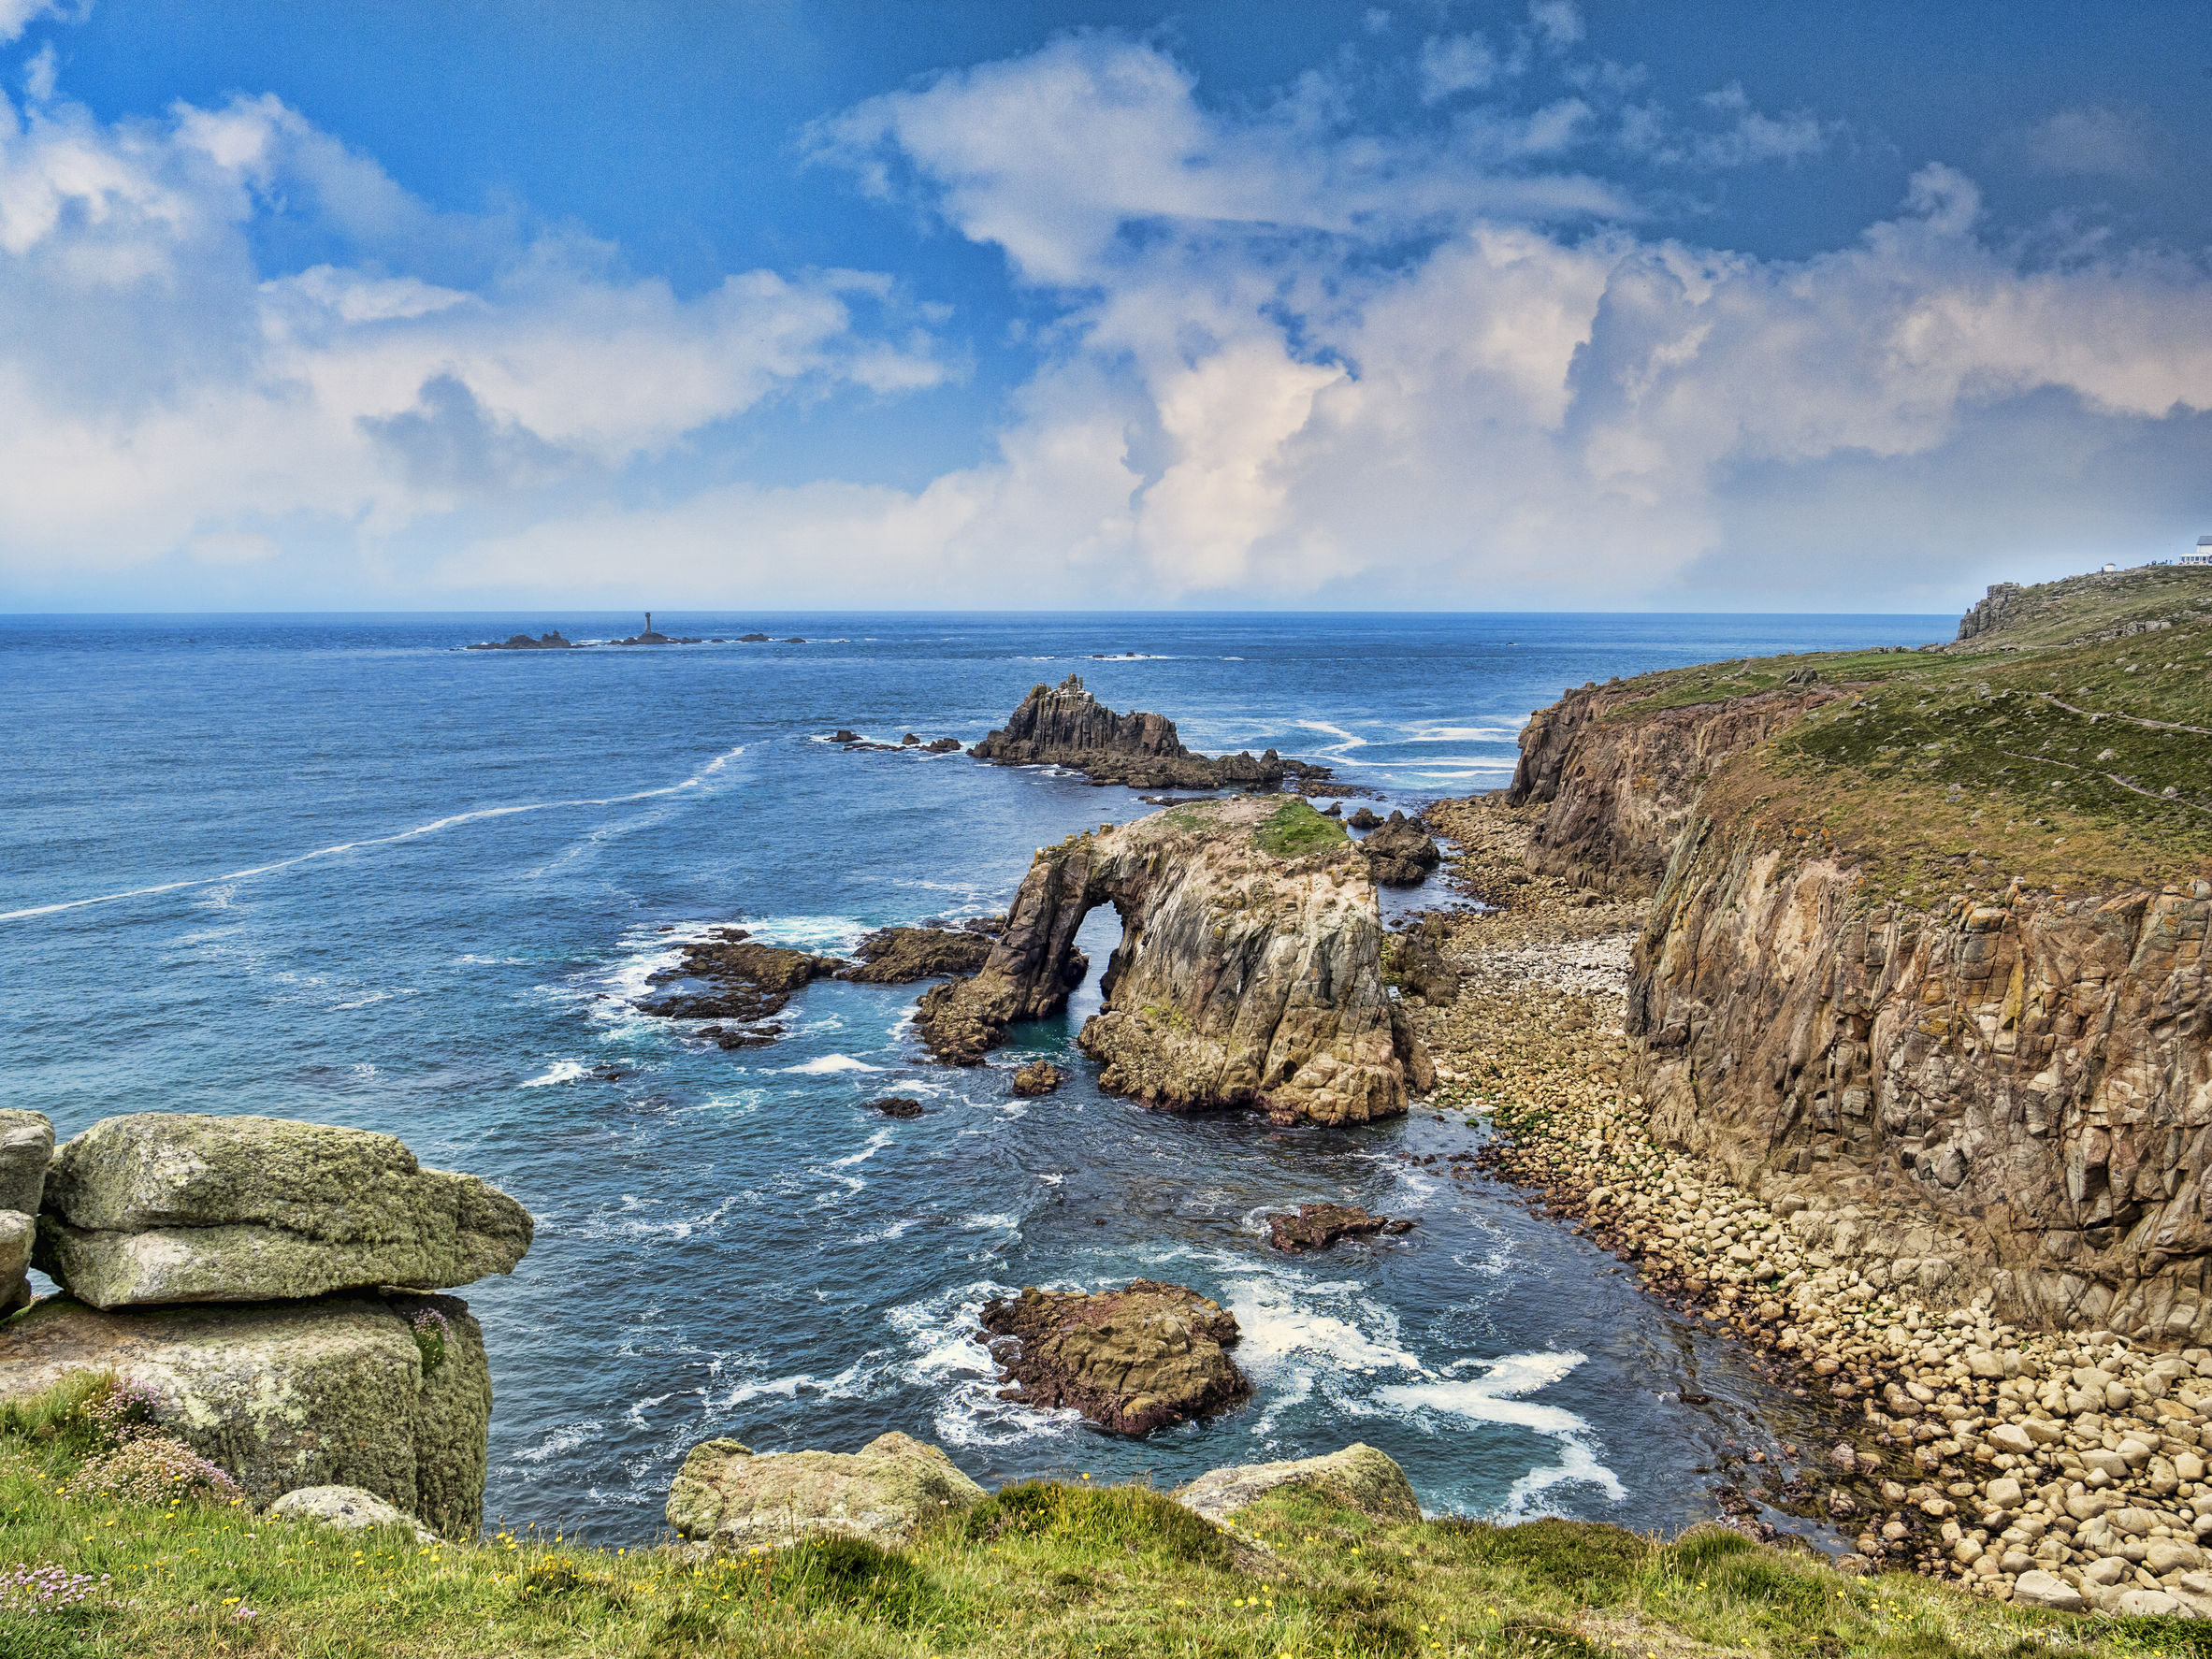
[1467, 306]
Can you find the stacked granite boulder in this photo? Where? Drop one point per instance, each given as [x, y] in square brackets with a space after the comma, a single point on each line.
[273, 1284]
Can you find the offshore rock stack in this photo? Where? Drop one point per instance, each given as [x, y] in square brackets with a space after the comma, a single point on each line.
[1065, 725]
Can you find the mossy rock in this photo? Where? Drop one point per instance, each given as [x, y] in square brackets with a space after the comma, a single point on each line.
[886, 1491]
[1359, 1476]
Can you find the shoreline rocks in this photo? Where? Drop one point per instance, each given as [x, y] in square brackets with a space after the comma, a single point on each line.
[751, 983]
[1040, 1077]
[896, 956]
[1400, 851]
[1144, 1357]
[727, 1496]
[166, 1207]
[1317, 1226]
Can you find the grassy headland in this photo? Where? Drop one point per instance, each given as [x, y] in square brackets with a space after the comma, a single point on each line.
[1043, 1568]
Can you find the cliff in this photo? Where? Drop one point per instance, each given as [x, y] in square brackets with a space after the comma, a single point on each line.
[1926, 949]
[1065, 725]
[1249, 972]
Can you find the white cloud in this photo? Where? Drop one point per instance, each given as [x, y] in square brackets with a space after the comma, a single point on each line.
[158, 394]
[2089, 143]
[1457, 64]
[18, 15]
[1556, 23]
[1751, 136]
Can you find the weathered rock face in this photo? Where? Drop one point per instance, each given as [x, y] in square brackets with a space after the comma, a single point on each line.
[1317, 1226]
[27, 1147]
[19, 1234]
[1359, 1476]
[895, 956]
[1132, 1360]
[1040, 1077]
[1064, 724]
[1245, 977]
[1399, 852]
[2030, 1083]
[1418, 965]
[333, 1393]
[162, 1208]
[1621, 790]
[886, 1491]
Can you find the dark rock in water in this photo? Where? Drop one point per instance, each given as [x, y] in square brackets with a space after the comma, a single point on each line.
[1065, 725]
[843, 736]
[1363, 819]
[1422, 970]
[750, 981]
[609, 1074]
[1141, 1358]
[1038, 1077]
[894, 955]
[1317, 1226]
[794, 640]
[552, 642]
[724, 1038]
[896, 1105]
[751, 638]
[1334, 810]
[944, 745]
[1400, 852]
[910, 741]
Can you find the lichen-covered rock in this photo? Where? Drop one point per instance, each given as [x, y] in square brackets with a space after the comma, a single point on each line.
[1132, 1360]
[727, 1495]
[1359, 1475]
[895, 956]
[1249, 972]
[1040, 1077]
[345, 1508]
[27, 1147]
[285, 1395]
[19, 1232]
[159, 1207]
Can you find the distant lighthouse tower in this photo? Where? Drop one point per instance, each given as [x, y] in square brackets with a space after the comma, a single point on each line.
[648, 622]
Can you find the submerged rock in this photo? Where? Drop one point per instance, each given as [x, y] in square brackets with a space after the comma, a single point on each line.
[178, 1206]
[1040, 1077]
[1359, 1476]
[1065, 725]
[894, 955]
[345, 1508]
[339, 1391]
[1133, 1360]
[1249, 972]
[727, 1495]
[1400, 852]
[1317, 1226]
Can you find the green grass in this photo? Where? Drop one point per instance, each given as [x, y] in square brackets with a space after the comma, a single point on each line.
[2027, 753]
[1041, 1570]
[1294, 830]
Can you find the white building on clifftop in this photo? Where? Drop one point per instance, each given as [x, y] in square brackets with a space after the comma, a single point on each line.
[2202, 555]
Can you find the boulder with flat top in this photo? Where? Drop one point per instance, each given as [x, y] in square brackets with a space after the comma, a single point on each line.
[886, 1491]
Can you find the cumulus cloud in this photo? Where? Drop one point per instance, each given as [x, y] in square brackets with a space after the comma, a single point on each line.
[2086, 143]
[1457, 64]
[158, 392]
[1244, 400]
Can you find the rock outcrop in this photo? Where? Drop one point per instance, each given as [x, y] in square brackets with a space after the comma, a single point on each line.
[1317, 1226]
[552, 642]
[743, 980]
[166, 1207]
[1400, 852]
[1134, 1360]
[1249, 972]
[1065, 725]
[27, 1147]
[729, 1497]
[1040, 1077]
[331, 1393]
[896, 956]
[345, 1508]
[1359, 1476]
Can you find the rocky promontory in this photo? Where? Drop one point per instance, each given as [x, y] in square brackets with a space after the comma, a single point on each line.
[1065, 725]
[1249, 972]
[1133, 1360]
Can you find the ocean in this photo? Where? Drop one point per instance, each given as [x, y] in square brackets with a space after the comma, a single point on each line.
[337, 868]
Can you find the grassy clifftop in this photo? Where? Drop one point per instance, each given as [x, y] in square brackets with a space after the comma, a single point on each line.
[2069, 745]
[1041, 1569]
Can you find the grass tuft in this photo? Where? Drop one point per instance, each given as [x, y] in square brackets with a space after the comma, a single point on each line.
[1294, 830]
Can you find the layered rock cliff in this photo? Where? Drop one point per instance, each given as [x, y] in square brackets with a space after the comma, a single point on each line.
[1249, 972]
[1065, 725]
[1924, 962]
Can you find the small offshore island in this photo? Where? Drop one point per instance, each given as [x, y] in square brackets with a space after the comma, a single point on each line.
[1856, 1000]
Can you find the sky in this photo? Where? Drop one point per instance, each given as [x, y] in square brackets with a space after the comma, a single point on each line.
[1562, 305]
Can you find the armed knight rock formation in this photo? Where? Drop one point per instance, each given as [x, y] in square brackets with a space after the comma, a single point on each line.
[1249, 972]
[1065, 725]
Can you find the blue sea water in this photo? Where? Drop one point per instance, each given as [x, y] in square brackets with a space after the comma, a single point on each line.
[337, 868]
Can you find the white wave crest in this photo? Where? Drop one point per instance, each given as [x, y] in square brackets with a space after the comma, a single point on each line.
[561, 1070]
[1495, 1397]
[827, 1064]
